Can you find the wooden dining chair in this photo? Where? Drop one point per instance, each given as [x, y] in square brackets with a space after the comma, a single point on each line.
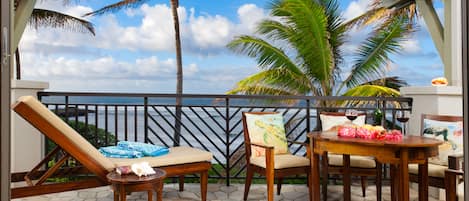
[267, 151]
[361, 166]
[448, 129]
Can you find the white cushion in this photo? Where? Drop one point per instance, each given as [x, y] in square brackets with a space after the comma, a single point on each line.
[355, 161]
[433, 170]
[460, 191]
[176, 156]
[329, 121]
[282, 161]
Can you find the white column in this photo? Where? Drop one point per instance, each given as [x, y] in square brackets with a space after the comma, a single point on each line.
[455, 43]
[27, 144]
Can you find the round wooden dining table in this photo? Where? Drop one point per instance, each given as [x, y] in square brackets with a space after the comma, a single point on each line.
[398, 153]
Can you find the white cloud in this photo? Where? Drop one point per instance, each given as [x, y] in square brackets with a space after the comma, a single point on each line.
[153, 31]
[411, 45]
[355, 9]
[39, 67]
[250, 15]
[210, 31]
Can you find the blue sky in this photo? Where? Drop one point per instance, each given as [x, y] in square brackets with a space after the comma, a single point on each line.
[133, 50]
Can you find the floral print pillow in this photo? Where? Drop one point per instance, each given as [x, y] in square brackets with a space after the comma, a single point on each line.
[451, 135]
[267, 129]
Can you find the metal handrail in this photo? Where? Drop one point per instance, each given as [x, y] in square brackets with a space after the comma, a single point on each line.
[214, 126]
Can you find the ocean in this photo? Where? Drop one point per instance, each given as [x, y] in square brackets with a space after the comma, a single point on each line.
[204, 122]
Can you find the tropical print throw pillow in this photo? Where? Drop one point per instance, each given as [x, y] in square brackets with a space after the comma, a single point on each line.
[451, 135]
[267, 129]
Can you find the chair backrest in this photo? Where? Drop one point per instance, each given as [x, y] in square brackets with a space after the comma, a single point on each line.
[446, 128]
[329, 120]
[63, 135]
[247, 135]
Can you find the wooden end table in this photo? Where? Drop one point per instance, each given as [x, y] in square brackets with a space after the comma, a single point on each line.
[123, 184]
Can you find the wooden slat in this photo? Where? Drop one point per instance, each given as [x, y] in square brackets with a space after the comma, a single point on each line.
[54, 188]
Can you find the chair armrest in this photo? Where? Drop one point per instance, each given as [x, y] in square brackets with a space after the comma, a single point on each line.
[454, 161]
[296, 142]
[269, 155]
[261, 145]
[454, 172]
[304, 144]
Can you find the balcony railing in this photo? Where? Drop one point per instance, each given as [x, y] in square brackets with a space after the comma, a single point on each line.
[209, 122]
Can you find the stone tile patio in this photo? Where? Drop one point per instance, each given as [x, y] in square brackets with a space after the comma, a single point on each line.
[216, 192]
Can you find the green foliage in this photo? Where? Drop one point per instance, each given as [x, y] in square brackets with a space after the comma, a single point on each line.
[299, 53]
[373, 53]
[96, 136]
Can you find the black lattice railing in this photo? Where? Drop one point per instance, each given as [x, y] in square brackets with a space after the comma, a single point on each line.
[209, 122]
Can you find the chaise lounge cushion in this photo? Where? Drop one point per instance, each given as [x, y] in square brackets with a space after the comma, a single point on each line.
[282, 161]
[176, 156]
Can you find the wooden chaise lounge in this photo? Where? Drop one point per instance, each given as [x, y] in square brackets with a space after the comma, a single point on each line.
[179, 162]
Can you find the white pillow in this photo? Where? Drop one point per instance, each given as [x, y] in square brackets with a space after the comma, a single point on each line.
[329, 121]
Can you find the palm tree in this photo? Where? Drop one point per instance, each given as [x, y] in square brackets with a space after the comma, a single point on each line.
[378, 13]
[301, 54]
[54, 19]
[179, 83]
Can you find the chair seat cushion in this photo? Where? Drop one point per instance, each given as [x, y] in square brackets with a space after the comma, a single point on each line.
[355, 161]
[460, 191]
[176, 156]
[282, 161]
[433, 170]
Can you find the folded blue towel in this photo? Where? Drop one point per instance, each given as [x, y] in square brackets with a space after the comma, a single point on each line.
[146, 149]
[117, 152]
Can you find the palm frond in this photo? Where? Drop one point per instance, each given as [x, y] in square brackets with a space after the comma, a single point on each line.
[367, 18]
[267, 55]
[374, 53]
[116, 7]
[275, 30]
[372, 91]
[337, 34]
[367, 91]
[312, 39]
[259, 89]
[389, 82]
[49, 18]
[279, 78]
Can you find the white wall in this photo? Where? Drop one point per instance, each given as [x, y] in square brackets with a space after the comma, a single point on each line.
[27, 144]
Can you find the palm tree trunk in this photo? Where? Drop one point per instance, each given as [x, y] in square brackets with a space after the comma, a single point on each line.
[18, 64]
[177, 129]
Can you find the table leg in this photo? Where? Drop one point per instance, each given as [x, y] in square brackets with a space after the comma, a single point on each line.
[346, 177]
[122, 194]
[325, 175]
[314, 183]
[394, 182]
[115, 189]
[159, 191]
[150, 195]
[404, 171]
[423, 181]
